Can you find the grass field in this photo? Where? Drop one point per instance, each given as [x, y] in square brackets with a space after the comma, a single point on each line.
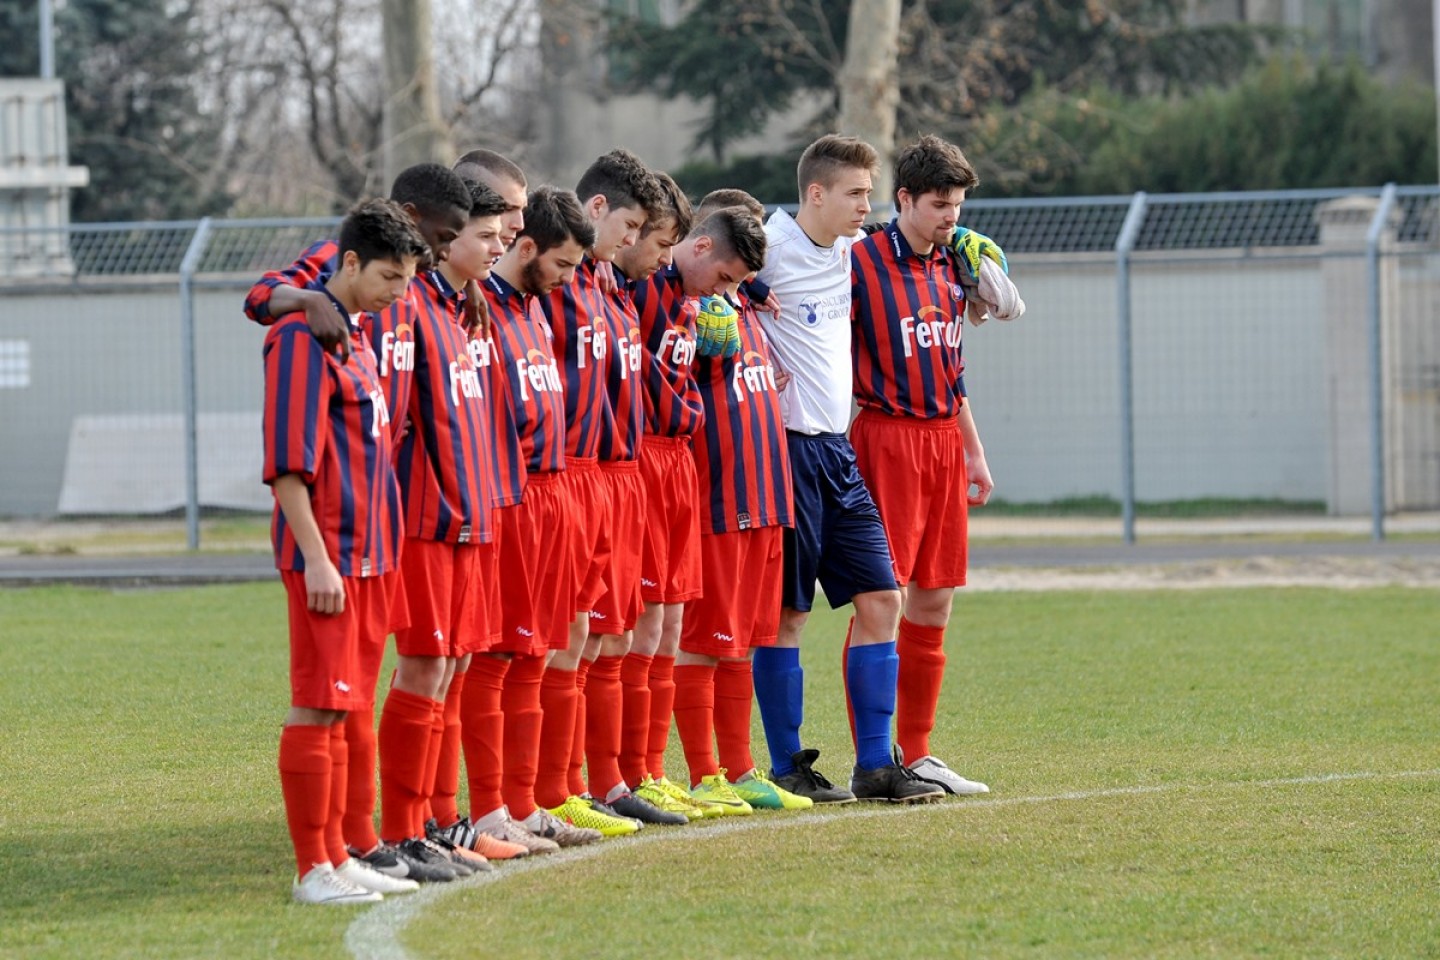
[1175, 774]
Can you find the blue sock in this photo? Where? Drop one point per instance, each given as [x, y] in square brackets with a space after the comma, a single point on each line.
[870, 676]
[780, 693]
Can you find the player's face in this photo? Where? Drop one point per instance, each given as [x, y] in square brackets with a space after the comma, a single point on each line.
[512, 221]
[477, 248]
[380, 282]
[713, 273]
[541, 273]
[844, 205]
[651, 253]
[931, 215]
[615, 229]
[440, 230]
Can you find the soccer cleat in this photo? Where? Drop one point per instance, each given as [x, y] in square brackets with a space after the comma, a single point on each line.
[714, 788]
[508, 830]
[638, 808]
[673, 789]
[933, 770]
[467, 839]
[427, 864]
[610, 811]
[383, 859]
[763, 793]
[321, 885]
[893, 783]
[582, 812]
[466, 862]
[546, 826]
[362, 875]
[806, 781]
[655, 794]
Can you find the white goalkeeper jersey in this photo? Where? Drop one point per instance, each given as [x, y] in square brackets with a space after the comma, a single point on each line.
[811, 338]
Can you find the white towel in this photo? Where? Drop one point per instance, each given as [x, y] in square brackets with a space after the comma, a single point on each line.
[996, 297]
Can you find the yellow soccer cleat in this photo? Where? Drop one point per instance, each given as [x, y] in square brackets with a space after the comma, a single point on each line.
[762, 793]
[717, 790]
[580, 812]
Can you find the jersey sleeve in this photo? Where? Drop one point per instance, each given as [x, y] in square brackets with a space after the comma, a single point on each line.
[316, 264]
[297, 393]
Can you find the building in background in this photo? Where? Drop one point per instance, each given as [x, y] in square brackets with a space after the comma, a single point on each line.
[36, 178]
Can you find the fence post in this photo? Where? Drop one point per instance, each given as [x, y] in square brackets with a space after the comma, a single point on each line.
[1376, 357]
[188, 266]
[1124, 244]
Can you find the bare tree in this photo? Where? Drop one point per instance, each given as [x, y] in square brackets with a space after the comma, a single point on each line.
[413, 130]
[869, 83]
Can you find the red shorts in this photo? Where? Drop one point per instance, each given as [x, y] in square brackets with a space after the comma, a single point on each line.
[915, 469]
[441, 594]
[590, 549]
[489, 621]
[335, 658]
[535, 567]
[619, 606]
[670, 561]
[741, 609]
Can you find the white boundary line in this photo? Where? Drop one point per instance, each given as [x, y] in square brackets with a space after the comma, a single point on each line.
[375, 934]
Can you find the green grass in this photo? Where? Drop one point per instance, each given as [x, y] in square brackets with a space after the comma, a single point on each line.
[141, 813]
[1099, 505]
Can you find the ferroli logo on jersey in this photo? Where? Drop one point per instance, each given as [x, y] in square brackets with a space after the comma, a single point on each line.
[464, 381]
[752, 373]
[589, 339]
[537, 372]
[397, 350]
[931, 329]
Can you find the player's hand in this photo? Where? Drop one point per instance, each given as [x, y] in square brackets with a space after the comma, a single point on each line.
[324, 589]
[980, 482]
[329, 325]
[477, 312]
[970, 246]
[771, 305]
[717, 329]
[605, 278]
[782, 380]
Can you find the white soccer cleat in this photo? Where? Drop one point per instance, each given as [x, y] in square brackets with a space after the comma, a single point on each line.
[322, 885]
[366, 877]
[933, 770]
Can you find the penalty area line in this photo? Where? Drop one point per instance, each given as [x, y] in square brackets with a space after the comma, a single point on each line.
[375, 934]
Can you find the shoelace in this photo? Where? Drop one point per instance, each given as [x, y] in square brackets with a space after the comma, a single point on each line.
[814, 778]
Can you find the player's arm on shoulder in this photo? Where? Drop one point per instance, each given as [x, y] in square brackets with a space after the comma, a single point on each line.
[280, 292]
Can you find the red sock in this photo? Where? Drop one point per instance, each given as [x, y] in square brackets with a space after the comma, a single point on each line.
[558, 699]
[404, 741]
[635, 700]
[360, 785]
[447, 764]
[922, 670]
[432, 768]
[603, 719]
[845, 684]
[483, 733]
[734, 694]
[339, 786]
[662, 708]
[305, 783]
[695, 717]
[574, 779]
[520, 703]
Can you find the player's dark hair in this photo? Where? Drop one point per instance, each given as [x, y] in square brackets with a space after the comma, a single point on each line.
[485, 202]
[932, 165]
[381, 230]
[677, 210]
[735, 233]
[729, 197]
[823, 160]
[487, 165]
[431, 189]
[623, 181]
[553, 216]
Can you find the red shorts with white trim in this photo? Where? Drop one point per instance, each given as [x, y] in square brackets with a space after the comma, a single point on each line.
[915, 469]
[441, 593]
[335, 658]
[741, 609]
[535, 568]
[590, 548]
[489, 620]
[618, 608]
[670, 562]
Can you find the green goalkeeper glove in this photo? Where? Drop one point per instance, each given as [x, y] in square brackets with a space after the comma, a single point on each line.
[717, 331]
[970, 246]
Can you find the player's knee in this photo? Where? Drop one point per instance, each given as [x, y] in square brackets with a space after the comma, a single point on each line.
[878, 609]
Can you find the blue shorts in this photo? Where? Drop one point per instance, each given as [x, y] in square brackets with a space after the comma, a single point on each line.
[838, 537]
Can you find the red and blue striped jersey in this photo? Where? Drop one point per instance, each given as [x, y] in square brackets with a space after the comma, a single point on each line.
[534, 397]
[909, 315]
[578, 322]
[625, 380]
[507, 469]
[667, 324]
[316, 265]
[741, 455]
[443, 459]
[326, 421]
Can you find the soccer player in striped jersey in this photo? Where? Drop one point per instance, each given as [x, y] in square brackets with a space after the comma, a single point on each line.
[438, 203]
[838, 537]
[915, 440]
[617, 194]
[505, 177]
[337, 530]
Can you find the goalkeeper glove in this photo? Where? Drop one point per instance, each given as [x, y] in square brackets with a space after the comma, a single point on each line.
[717, 331]
[970, 246]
